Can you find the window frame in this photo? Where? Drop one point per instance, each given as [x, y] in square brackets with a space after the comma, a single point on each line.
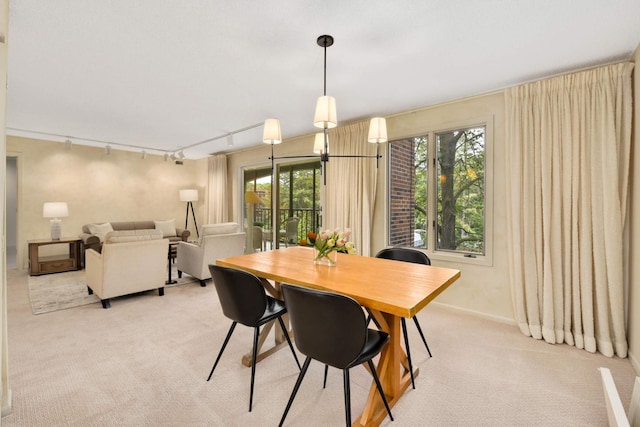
[431, 250]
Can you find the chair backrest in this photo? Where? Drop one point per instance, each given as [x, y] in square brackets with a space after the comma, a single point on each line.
[615, 410]
[291, 227]
[404, 254]
[328, 327]
[257, 237]
[241, 294]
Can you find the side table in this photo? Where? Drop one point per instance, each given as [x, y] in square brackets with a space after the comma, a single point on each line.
[56, 263]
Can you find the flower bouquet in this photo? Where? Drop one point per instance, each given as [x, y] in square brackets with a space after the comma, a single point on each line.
[328, 243]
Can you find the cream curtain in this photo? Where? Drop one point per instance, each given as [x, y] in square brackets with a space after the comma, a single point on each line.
[351, 184]
[568, 142]
[218, 209]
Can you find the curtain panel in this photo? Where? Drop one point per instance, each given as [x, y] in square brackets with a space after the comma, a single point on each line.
[218, 207]
[568, 156]
[351, 184]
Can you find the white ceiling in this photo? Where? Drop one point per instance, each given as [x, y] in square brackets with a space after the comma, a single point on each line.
[168, 74]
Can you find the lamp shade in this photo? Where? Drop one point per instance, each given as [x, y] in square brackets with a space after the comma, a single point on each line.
[190, 195]
[318, 143]
[377, 130]
[325, 117]
[271, 133]
[252, 198]
[55, 210]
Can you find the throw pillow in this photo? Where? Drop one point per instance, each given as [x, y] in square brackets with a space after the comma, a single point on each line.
[100, 230]
[168, 228]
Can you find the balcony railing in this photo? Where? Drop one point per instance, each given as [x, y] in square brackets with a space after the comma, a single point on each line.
[309, 219]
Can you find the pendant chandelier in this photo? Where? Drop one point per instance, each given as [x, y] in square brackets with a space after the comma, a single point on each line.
[325, 118]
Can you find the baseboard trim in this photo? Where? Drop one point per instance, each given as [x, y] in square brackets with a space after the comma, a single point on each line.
[635, 363]
[7, 405]
[475, 313]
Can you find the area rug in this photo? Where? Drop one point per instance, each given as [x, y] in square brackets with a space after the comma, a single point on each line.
[59, 291]
[52, 292]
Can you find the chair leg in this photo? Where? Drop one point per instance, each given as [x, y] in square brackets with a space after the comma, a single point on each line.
[226, 340]
[406, 344]
[307, 361]
[286, 335]
[106, 303]
[415, 319]
[377, 380]
[256, 333]
[347, 396]
[326, 369]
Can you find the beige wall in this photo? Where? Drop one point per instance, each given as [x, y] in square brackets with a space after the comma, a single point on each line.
[633, 324]
[483, 290]
[98, 187]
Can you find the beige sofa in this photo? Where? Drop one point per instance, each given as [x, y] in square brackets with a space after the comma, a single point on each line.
[92, 237]
[131, 261]
[216, 241]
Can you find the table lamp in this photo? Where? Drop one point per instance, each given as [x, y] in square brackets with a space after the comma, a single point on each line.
[190, 196]
[55, 211]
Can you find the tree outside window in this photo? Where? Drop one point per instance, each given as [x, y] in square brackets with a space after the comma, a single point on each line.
[441, 207]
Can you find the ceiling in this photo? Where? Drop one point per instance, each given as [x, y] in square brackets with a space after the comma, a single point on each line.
[167, 75]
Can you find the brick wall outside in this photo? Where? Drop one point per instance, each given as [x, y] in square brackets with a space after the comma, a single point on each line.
[401, 189]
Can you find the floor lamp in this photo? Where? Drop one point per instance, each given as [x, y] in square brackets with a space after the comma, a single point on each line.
[190, 196]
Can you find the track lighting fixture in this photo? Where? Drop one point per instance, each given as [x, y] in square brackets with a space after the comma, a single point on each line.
[143, 155]
[107, 149]
[67, 144]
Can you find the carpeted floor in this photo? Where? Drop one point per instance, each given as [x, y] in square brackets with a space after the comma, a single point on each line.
[53, 292]
[144, 362]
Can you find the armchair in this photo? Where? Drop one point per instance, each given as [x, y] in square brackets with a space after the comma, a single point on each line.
[130, 261]
[216, 241]
[290, 232]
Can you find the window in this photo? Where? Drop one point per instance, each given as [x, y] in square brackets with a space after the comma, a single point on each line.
[437, 191]
[298, 195]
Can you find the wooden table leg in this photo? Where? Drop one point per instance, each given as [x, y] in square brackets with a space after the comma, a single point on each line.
[279, 339]
[393, 372]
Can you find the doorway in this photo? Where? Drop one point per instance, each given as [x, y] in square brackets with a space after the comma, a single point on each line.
[12, 210]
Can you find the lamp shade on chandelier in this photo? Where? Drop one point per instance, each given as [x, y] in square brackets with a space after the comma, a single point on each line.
[325, 117]
[271, 133]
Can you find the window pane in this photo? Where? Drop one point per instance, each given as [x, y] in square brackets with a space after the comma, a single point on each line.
[401, 193]
[421, 167]
[300, 195]
[460, 189]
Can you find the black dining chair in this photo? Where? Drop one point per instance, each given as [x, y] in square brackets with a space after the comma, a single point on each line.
[332, 329]
[243, 299]
[417, 257]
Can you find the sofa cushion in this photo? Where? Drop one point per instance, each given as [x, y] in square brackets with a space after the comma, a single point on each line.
[132, 236]
[100, 230]
[168, 228]
[223, 228]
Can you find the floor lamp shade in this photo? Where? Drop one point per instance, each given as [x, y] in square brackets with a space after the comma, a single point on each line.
[190, 195]
[55, 211]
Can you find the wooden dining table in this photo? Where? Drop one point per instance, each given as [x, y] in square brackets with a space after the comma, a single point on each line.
[389, 290]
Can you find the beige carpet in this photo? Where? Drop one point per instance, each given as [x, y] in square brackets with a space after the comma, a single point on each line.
[53, 292]
[144, 362]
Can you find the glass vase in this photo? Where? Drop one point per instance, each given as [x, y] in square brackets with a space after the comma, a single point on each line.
[326, 258]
